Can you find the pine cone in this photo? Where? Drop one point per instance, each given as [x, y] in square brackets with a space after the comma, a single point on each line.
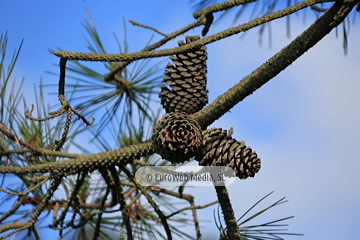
[187, 80]
[176, 137]
[220, 149]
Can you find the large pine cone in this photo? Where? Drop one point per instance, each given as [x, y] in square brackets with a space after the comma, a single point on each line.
[187, 80]
[220, 149]
[176, 137]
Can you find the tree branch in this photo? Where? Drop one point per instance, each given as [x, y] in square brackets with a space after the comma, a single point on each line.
[19, 226]
[41, 151]
[320, 28]
[146, 26]
[228, 212]
[110, 76]
[187, 47]
[192, 207]
[220, 7]
[151, 202]
[89, 163]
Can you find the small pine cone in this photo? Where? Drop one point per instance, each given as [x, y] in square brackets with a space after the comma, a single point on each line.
[220, 149]
[176, 137]
[187, 81]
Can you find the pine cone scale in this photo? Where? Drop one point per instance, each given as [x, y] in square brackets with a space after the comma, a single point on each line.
[176, 137]
[220, 149]
[187, 80]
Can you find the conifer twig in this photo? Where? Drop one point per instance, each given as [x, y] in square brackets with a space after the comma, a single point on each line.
[146, 26]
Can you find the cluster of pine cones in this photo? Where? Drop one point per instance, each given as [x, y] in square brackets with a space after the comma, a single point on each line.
[177, 136]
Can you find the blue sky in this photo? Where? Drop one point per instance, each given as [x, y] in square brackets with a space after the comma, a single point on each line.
[303, 124]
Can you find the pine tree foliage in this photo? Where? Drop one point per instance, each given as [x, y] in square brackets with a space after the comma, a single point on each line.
[96, 195]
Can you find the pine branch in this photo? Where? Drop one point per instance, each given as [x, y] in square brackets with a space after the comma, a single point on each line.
[188, 47]
[228, 213]
[88, 163]
[319, 29]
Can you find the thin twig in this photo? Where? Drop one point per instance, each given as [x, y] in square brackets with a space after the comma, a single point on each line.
[151, 202]
[190, 46]
[29, 189]
[220, 7]
[110, 76]
[280, 61]
[99, 215]
[64, 108]
[318, 9]
[196, 220]
[125, 212]
[72, 200]
[192, 207]
[13, 208]
[37, 150]
[40, 207]
[146, 26]
[112, 181]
